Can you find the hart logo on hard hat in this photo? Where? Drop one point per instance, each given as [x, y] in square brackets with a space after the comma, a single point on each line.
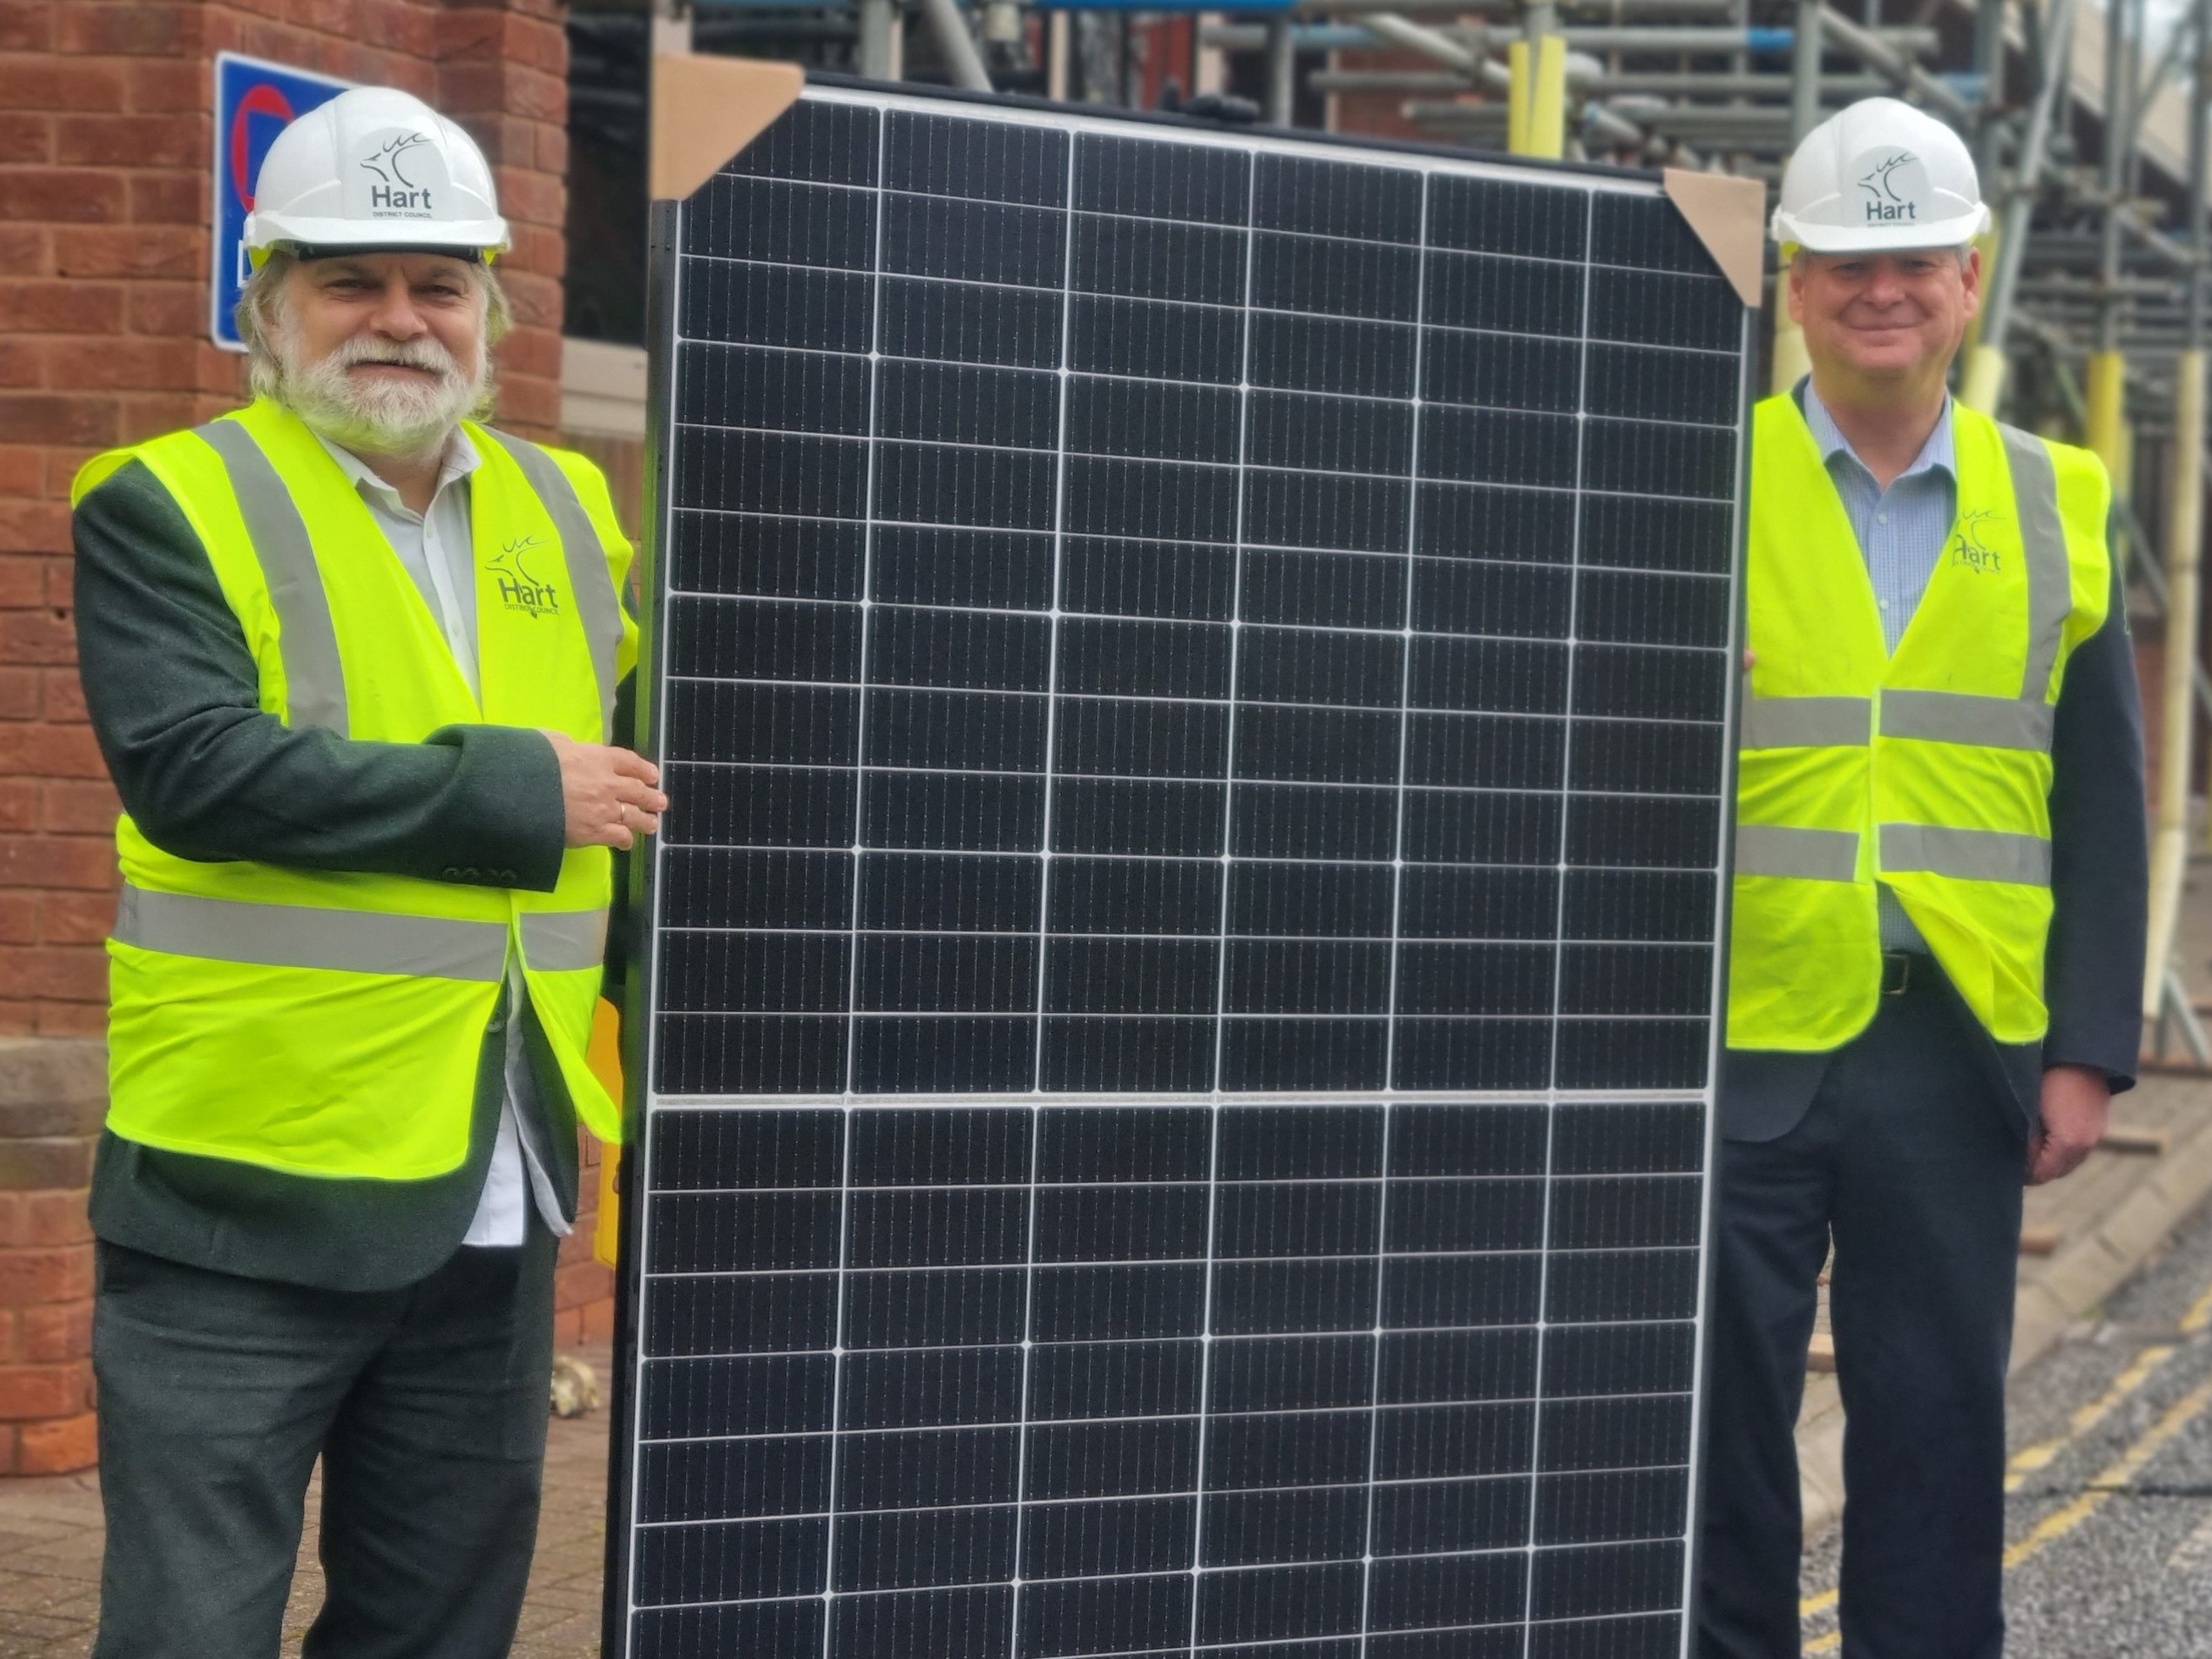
[375, 167]
[402, 167]
[1881, 176]
[1895, 186]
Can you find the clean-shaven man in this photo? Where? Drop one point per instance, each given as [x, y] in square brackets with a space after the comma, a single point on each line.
[1938, 908]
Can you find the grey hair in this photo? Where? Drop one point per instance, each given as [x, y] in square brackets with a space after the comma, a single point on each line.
[260, 315]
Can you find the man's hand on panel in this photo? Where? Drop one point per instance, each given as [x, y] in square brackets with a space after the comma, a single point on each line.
[609, 794]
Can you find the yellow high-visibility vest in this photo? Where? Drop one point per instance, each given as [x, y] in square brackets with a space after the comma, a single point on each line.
[330, 1023]
[1928, 770]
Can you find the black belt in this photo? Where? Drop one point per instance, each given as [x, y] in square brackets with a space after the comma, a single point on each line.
[1900, 967]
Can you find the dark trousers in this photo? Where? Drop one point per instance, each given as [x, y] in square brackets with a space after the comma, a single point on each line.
[1913, 1162]
[427, 1405]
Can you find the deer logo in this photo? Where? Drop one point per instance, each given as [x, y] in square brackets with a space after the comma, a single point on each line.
[1967, 546]
[518, 588]
[397, 192]
[1883, 204]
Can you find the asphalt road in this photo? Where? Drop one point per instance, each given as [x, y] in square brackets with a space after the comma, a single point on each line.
[2109, 1518]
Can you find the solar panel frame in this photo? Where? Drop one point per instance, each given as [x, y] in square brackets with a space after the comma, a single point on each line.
[650, 874]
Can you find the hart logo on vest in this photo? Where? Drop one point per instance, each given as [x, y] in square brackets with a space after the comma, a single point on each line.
[519, 589]
[1967, 547]
[1895, 185]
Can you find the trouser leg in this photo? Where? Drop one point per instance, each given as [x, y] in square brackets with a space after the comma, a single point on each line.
[1928, 1211]
[1770, 1238]
[214, 1393]
[432, 1473]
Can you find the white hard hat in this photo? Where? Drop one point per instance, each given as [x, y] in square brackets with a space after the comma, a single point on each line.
[1879, 175]
[374, 167]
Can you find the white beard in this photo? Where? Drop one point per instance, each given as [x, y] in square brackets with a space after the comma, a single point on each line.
[382, 415]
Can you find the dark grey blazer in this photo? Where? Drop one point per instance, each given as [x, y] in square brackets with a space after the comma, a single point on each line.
[2100, 881]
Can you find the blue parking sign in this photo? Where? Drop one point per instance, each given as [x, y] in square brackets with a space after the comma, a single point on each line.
[253, 102]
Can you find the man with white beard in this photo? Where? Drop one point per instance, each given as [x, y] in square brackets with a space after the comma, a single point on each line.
[353, 660]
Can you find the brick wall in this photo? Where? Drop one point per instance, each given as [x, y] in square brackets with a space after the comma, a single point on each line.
[105, 113]
[583, 1290]
[51, 1094]
[104, 182]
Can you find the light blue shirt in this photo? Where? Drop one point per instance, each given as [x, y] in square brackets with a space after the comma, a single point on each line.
[1901, 531]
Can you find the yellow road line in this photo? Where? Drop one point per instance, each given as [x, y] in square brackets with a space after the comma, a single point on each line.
[2115, 1478]
[2029, 1459]
[2199, 1316]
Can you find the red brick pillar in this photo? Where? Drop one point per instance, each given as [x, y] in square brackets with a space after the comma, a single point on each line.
[503, 74]
[51, 1096]
[583, 1290]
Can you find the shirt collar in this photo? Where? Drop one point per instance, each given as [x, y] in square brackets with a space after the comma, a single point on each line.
[1937, 453]
[461, 460]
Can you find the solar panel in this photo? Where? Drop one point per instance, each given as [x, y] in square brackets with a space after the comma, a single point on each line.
[1194, 670]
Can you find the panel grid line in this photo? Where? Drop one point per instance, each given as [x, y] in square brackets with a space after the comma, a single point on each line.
[1221, 972]
[1551, 1126]
[845, 1149]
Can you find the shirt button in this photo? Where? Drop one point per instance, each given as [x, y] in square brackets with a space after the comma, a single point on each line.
[1881, 518]
[1885, 605]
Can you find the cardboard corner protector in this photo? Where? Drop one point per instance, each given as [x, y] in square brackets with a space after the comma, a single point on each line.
[705, 109]
[1729, 214]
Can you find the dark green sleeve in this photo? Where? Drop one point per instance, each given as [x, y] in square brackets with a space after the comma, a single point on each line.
[173, 696]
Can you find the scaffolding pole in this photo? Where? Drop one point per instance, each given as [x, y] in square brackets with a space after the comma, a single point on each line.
[2104, 378]
[1282, 51]
[1791, 361]
[956, 45]
[877, 19]
[1984, 379]
[2169, 853]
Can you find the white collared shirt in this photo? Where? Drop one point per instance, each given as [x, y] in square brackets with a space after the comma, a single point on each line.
[437, 549]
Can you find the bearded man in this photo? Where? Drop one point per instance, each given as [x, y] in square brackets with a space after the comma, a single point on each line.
[353, 660]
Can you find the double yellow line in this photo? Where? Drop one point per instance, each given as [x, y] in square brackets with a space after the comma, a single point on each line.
[2111, 1480]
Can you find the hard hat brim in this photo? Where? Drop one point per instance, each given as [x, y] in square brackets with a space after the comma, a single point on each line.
[1951, 233]
[479, 236]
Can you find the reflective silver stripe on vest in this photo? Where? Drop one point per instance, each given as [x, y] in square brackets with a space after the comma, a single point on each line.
[589, 578]
[558, 941]
[1961, 717]
[1965, 855]
[1776, 849]
[304, 936]
[314, 681]
[1804, 722]
[2050, 573]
